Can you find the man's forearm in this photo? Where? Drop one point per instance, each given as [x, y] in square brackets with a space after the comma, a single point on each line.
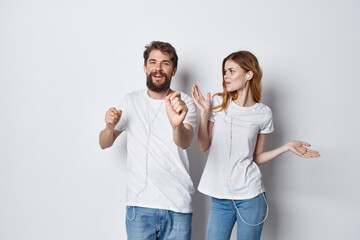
[106, 138]
[182, 135]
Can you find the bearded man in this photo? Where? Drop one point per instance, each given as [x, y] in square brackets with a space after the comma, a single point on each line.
[159, 123]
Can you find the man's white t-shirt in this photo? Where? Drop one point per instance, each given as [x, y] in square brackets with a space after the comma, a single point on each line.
[158, 169]
[230, 172]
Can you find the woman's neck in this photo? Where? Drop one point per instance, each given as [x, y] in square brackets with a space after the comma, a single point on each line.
[245, 98]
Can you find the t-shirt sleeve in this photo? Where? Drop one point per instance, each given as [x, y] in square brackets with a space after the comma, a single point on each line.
[191, 114]
[121, 126]
[268, 126]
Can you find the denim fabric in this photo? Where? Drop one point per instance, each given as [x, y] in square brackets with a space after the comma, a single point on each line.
[149, 223]
[223, 216]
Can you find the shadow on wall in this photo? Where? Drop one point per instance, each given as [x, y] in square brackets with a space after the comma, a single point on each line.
[197, 159]
[201, 202]
[268, 170]
[182, 82]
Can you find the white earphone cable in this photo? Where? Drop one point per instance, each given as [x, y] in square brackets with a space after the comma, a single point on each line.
[232, 198]
[148, 138]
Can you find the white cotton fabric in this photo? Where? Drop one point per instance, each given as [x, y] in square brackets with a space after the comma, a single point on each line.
[235, 176]
[158, 168]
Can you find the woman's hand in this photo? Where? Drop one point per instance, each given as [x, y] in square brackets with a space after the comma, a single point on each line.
[203, 104]
[300, 149]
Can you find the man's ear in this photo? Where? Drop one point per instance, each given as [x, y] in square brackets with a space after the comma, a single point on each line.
[145, 69]
[174, 71]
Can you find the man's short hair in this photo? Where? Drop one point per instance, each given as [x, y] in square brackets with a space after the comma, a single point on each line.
[163, 47]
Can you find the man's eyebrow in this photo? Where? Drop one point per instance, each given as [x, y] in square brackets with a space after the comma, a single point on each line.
[152, 59]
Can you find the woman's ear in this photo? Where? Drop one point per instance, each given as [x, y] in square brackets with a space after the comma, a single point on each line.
[249, 75]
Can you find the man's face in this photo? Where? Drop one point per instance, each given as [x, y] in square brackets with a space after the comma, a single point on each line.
[159, 70]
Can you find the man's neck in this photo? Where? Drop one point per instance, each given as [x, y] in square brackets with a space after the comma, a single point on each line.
[158, 95]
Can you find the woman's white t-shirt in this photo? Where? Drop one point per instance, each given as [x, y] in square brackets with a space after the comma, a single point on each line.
[230, 172]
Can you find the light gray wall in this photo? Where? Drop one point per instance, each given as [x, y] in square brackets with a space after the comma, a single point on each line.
[64, 63]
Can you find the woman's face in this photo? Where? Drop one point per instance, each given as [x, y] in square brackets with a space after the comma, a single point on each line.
[234, 76]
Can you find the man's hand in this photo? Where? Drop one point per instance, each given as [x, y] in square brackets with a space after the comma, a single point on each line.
[109, 135]
[112, 117]
[176, 109]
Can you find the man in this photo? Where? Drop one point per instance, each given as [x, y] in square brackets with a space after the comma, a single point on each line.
[159, 124]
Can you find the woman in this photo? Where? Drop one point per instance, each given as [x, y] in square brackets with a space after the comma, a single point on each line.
[235, 130]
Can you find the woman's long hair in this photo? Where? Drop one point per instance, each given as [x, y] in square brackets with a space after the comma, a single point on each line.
[247, 61]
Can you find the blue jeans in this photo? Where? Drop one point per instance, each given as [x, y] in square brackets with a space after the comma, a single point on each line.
[149, 223]
[223, 216]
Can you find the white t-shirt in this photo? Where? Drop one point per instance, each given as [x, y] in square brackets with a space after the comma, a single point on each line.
[158, 168]
[230, 172]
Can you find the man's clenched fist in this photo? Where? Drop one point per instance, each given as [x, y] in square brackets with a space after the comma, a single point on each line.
[112, 117]
[176, 108]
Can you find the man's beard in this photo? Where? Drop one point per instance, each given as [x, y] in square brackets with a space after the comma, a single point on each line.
[158, 88]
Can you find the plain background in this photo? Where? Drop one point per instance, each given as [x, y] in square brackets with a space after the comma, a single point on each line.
[64, 63]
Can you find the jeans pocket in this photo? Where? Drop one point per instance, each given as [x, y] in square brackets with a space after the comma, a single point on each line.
[130, 213]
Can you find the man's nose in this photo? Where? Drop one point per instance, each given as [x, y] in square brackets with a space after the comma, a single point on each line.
[158, 66]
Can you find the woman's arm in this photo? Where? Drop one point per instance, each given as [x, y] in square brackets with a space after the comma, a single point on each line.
[297, 147]
[204, 134]
[205, 126]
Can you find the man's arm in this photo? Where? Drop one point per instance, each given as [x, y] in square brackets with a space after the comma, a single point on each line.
[176, 110]
[182, 135]
[108, 136]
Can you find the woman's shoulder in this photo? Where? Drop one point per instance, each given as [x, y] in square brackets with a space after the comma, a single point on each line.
[263, 108]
